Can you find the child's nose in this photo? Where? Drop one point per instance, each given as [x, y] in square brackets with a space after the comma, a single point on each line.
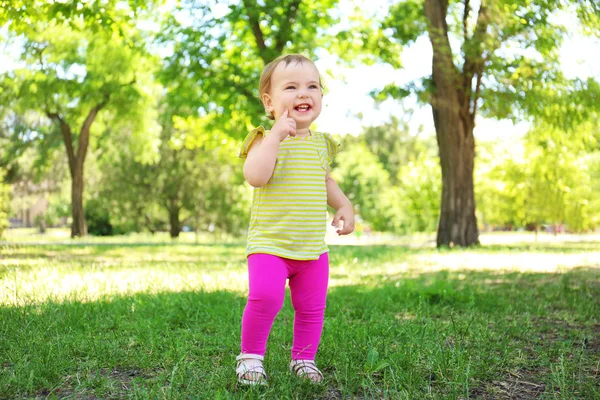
[302, 93]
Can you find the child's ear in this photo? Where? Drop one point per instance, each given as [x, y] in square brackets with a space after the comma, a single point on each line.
[267, 102]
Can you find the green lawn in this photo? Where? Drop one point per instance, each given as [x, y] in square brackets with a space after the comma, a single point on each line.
[137, 318]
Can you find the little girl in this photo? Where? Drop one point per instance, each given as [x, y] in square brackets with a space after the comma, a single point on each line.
[289, 169]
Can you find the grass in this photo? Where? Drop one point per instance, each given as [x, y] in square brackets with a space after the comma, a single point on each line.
[149, 318]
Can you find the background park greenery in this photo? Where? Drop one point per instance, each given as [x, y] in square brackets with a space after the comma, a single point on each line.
[128, 115]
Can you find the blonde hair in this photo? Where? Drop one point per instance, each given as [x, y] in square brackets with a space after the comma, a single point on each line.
[264, 85]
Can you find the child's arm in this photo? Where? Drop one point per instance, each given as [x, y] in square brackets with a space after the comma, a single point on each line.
[338, 200]
[262, 154]
[260, 163]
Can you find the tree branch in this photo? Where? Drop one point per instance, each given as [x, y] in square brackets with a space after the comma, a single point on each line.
[466, 20]
[40, 55]
[107, 95]
[286, 28]
[67, 139]
[84, 135]
[473, 55]
[444, 71]
[255, 25]
[477, 89]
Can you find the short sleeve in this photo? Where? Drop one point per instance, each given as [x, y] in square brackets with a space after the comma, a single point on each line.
[249, 139]
[333, 146]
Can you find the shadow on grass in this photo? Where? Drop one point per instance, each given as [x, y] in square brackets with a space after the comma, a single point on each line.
[460, 334]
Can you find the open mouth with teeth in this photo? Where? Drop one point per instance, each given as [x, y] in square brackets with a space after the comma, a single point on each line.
[303, 108]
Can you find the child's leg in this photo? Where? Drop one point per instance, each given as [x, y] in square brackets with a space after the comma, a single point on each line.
[309, 294]
[267, 275]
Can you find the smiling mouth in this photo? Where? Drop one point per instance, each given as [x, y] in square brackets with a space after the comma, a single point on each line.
[302, 107]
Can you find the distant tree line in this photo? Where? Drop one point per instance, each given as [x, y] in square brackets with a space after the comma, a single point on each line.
[144, 106]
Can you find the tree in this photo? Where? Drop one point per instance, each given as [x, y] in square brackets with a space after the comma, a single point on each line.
[367, 184]
[561, 174]
[419, 194]
[391, 142]
[216, 62]
[501, 59]
[197, 180]
[79, 60]
[4, 203]
[211, 84]
[220, 201]
[502, 184]
[404, 203]
[548, 177]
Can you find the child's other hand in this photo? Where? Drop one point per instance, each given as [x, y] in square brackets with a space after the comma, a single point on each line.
[284, 126]
[345, 214]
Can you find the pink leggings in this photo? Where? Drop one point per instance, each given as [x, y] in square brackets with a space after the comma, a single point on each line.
[308, 286]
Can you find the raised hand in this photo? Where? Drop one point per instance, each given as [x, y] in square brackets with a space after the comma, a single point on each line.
[284, 126]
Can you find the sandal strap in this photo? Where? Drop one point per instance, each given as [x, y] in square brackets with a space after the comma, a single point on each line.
[258, 369]
[305, 367]
[249, 357]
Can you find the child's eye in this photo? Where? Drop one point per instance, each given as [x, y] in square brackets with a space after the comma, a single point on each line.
[290, 87]
[313, 87]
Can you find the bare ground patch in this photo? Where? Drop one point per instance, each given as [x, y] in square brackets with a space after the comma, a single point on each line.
[120, 382]
[516, 386]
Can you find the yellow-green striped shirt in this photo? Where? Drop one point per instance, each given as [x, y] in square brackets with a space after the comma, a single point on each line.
[289, 214]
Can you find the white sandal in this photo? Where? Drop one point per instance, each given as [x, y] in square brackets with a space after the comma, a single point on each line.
[250, 364]
[306, 369]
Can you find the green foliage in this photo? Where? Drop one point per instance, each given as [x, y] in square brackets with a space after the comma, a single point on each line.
[501, 184]
[59, 208]
[593, 165]
[97, 218]
[79, 60]
[393, 145]
[367, 184]
[166, 135]
[419, 194]
[588, 12]
[219, 200]
[562, 183]
[50, 218]
[410, 11]
[197, 174]
[516, 44]
[216, 62]
[392, 177]
[21, 16]
[70, 71]
[549, 178]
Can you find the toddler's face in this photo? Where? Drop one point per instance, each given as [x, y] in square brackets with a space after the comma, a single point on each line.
[295, 87]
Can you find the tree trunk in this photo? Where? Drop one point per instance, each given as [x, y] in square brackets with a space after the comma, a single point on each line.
[78, 227]
[454, 108]
[76, 159]
[174, 222]
[457, 224]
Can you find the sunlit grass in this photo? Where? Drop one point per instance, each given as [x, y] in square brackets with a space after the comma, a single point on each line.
[160, 319]
[57, 273]
[102, 267]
